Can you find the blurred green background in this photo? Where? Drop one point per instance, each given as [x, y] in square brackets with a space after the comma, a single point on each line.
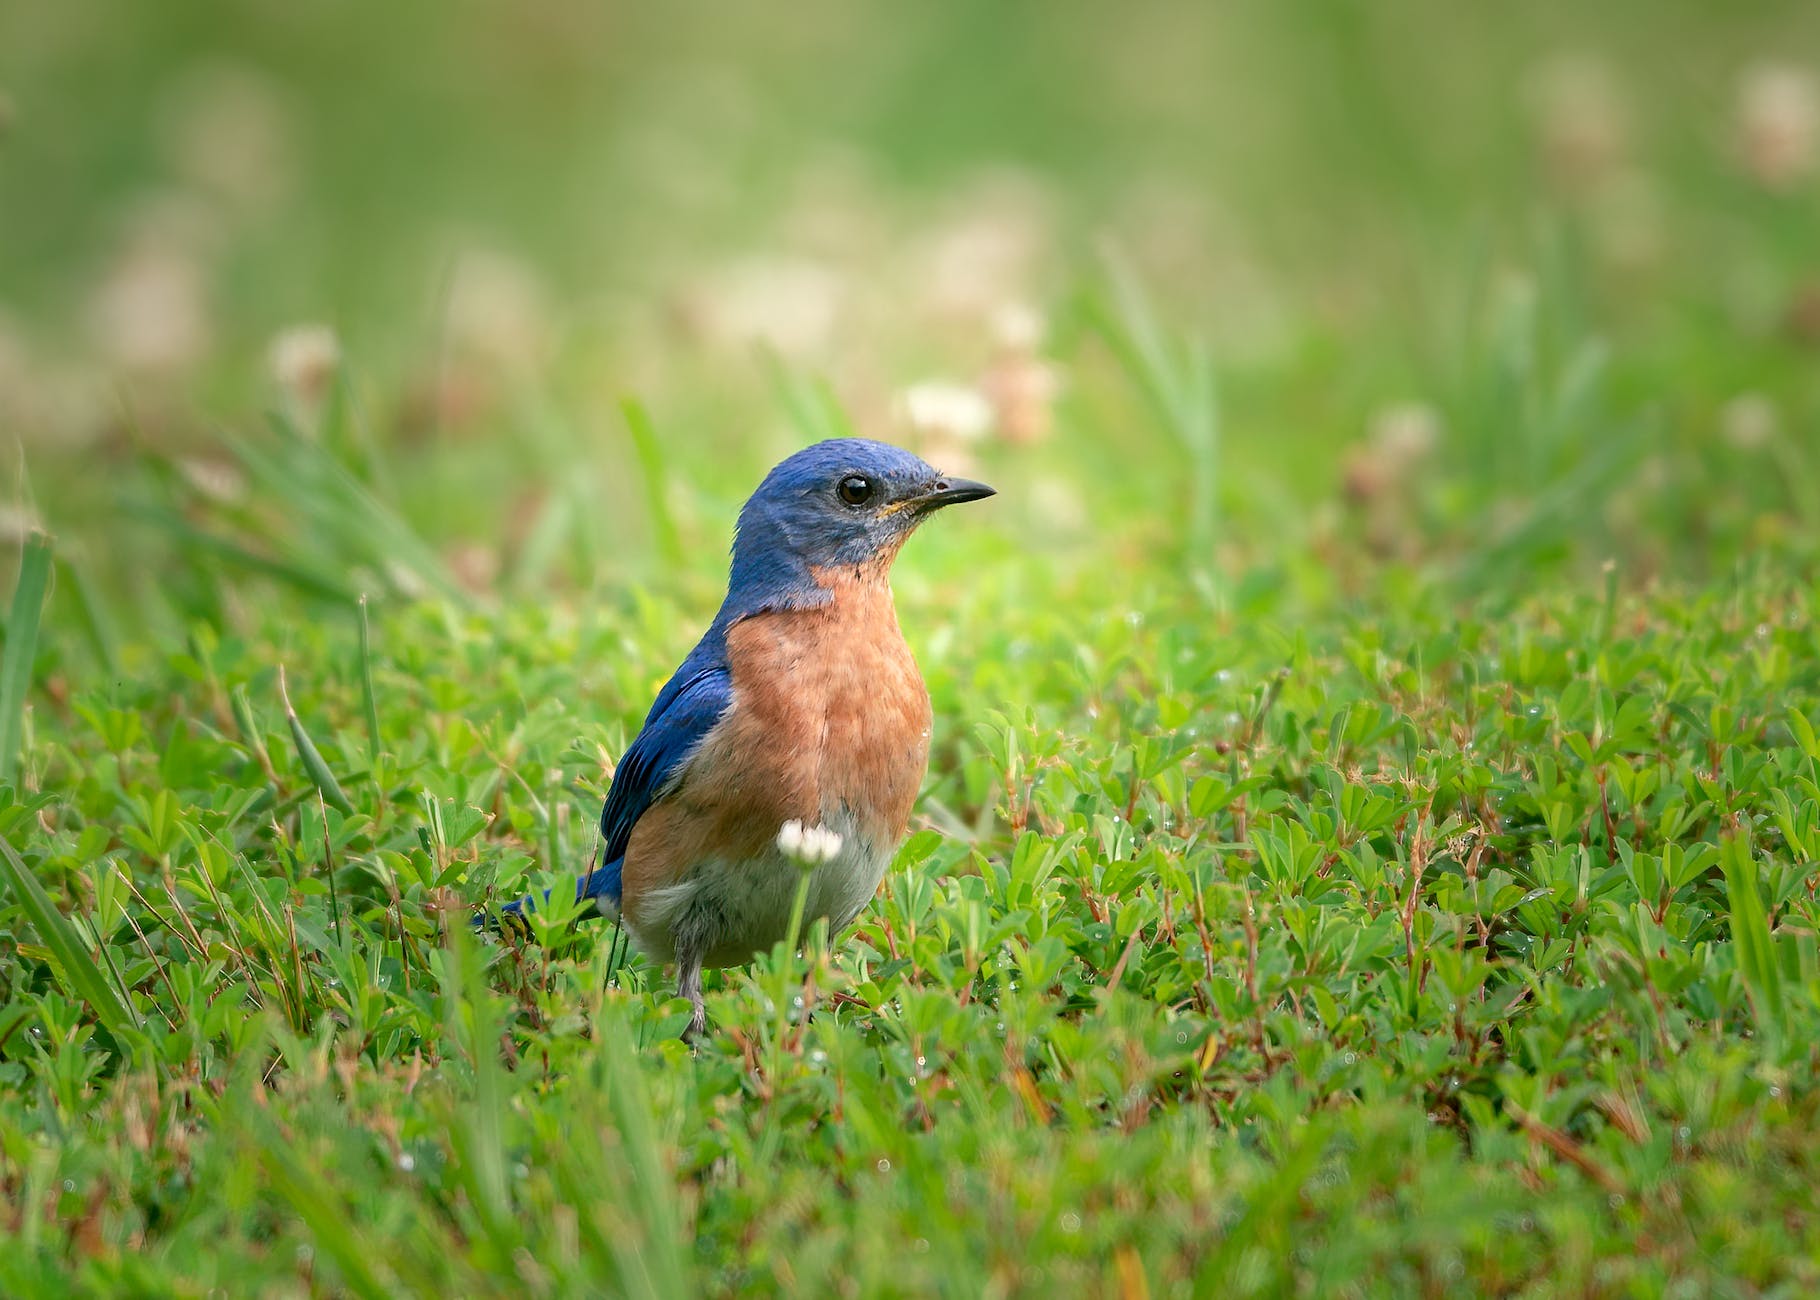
[1483, 289]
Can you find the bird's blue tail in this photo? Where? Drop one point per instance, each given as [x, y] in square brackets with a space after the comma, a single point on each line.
[602, 885]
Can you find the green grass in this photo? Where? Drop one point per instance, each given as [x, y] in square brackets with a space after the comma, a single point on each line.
[1381, 951]
[1373, 830]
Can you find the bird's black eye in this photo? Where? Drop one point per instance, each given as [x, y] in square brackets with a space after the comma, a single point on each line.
[856, 489]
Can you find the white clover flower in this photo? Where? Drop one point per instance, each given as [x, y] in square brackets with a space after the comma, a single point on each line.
[808, 845]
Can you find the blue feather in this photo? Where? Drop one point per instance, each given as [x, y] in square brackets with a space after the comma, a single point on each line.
[686, 710]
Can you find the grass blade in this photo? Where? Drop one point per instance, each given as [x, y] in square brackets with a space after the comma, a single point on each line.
[341, 509]
[78, 969]
[1178, 381]
[651, 466]
[810, 404]
[211, 546]
[91, 614]
[249, 727]
[659, 1267]
[479, 1142]
[367, 699]
[311, 757]
[315, 1201]
[1756, 950]
[21, 648]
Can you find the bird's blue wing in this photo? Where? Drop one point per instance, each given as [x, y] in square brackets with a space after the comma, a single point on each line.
[685, 711]
[676, 726]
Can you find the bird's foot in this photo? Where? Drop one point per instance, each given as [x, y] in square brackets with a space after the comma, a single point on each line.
[688, 985]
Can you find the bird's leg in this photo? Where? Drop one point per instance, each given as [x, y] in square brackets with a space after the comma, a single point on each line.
[688, 985]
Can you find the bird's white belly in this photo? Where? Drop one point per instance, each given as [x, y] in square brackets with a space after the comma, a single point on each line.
[745, 904]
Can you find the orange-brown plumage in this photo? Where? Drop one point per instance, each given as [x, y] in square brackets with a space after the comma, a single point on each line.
[829, 723]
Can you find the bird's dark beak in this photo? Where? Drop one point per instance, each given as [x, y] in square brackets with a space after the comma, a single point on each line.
[951, 492]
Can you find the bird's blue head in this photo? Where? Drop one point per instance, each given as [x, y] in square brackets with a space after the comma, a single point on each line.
[847, 502]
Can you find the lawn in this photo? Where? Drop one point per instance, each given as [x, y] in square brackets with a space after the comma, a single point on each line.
[1372, 833]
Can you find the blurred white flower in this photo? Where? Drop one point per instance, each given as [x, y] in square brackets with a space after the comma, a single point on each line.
[1580, 117]
[1019, 383]
[939, 408]
[225, 129]
[1748, 422]
[1058, 506]
[1778, 123]
[218, 480]
[303, 360]
[1399, 438]
[474, 565]
[790, 305]
[1022, 389]
[1406, 431]
[407, 580]
[150, 312]
[990, 253]
[944, 421]
[498, 310]
[808, 845]
[17, 523]
[1018, 327]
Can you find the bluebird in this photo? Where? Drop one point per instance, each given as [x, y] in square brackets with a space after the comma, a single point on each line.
[796, 731]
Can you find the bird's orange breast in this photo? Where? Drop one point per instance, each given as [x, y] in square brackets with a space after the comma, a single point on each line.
[829, 715]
